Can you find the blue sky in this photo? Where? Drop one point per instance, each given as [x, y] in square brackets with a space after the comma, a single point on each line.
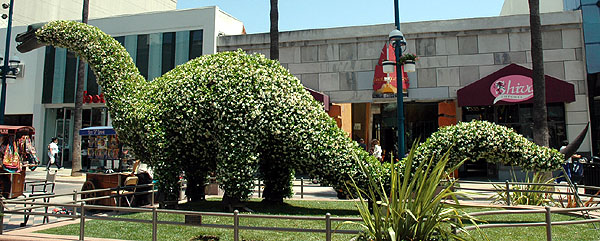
[308, 14]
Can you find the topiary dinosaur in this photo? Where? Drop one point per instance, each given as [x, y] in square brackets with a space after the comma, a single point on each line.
[238, 115]
[229, 113]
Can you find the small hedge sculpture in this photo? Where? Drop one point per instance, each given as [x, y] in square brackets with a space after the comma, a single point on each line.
[494, 143]
[229, 113]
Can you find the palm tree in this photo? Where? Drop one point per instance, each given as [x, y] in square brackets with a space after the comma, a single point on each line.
[540, 113]
[79, 104]
[274, 33]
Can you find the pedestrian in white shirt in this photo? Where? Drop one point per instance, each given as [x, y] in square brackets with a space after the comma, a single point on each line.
[53, 154]
[376, 149]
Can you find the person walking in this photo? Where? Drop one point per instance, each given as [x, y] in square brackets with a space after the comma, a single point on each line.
[53, 154]
[376, 149]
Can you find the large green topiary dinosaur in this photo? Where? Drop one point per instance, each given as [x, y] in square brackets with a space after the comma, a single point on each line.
[238, 115]
[230, 113]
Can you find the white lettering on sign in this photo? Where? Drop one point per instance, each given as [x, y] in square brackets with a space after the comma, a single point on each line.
[512, 88]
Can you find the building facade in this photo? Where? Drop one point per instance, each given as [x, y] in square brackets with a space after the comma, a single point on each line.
[453, 54]
[30, 12]
[50, 74]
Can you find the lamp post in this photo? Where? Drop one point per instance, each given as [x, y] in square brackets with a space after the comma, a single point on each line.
[6, 68]
[398, 39]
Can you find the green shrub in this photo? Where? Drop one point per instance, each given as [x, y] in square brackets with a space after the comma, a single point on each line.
[519, 196]
[412, 209]
[494, 143]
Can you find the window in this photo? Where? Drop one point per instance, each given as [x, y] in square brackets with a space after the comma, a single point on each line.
[142, 55]
[92, 85]
[195, 44]
[168, 52]
[70, 78]
[48, 75]
[121, 40]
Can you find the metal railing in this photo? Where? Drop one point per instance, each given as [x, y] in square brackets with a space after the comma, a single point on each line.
[258, 184]
[328, 231]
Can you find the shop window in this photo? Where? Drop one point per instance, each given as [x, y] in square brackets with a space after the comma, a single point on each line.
[92, 84]
[18, 120]
[70, 78]
[168, 52]
[195, 44]
[121, 40]
[142, 54]
[48, 75]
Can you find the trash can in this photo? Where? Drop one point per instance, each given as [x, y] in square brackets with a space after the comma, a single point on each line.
[591, 177]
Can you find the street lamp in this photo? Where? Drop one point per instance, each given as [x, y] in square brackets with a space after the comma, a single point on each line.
[6, 68]
[397, 38]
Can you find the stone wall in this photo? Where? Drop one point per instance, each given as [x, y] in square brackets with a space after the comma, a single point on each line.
[452, 54]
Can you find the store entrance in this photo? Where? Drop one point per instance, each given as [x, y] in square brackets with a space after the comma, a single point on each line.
[59, 124]
[420, 123]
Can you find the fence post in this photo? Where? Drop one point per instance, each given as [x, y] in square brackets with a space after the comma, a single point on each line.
[328, 227]
[236, 225]
[302, 187]
[154, 223]
[548, 224]
[507, 193]
[82, 221]
[258, 187]
[1, 217]
[153, 191]
[74, 202]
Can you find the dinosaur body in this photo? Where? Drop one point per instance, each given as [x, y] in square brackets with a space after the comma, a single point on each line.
[230, 113]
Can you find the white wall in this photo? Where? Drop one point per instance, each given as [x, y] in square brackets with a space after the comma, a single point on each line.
[514, 7]
[35, 11]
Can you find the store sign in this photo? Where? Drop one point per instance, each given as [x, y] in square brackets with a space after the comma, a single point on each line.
[97, 132]
[512, 88]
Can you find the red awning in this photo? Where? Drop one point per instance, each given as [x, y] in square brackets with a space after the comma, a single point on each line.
[510, 85]
[323, 98]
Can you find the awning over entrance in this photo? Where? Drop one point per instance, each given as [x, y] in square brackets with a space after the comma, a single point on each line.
[512, 84]
[323, 98]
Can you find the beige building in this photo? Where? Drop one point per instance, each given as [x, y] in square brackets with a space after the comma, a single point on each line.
[29, 12]
[515, 7]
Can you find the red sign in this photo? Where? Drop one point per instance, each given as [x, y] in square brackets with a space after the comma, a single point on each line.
[385, 84]
[512, 88]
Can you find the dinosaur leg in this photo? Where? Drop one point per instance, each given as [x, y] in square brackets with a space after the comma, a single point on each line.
[196, 182]
[278, 182]
[235, 172]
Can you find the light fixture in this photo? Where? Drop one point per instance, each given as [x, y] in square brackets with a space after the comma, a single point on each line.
[388, 66]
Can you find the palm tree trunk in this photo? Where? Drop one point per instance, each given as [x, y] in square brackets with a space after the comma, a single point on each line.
[274, 33]
[77, 118]
[540, 113]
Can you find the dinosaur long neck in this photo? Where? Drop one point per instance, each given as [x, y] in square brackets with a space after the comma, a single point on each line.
[115, 70]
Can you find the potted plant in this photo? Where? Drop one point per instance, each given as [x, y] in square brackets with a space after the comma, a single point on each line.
[408, 61]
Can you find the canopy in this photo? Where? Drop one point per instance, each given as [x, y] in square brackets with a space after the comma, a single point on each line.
[512, 84]
[12, 130]
[97, 131]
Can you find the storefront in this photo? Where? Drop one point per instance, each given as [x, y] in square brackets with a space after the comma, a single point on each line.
[505, 97]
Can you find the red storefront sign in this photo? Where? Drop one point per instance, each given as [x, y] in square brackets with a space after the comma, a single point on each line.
[512, 84]
[384, 84]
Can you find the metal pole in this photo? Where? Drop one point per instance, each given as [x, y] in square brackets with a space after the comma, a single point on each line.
[400, 89]
[548, 224]
[154, 224]
[328, 227]
[302, 187]
[259, 188]
[236, 225]
[507, 193]
[1, 218]
[74, 202]
[82, 221]
[153, 194]
[5, 66]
